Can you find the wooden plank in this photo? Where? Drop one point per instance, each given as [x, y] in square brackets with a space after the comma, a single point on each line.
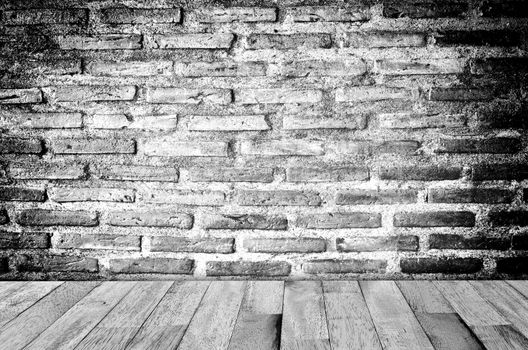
[213, 323]
[448, 331]
[126, 318]
[22, 298]
[304, 318]
[29, 324]
[78, 321]
[393, 318]
[520, 286]
[349, 323]
[8, 287]
[167, 324]
[424, 297]
[502, 337]
[474, 310]
[259, 320]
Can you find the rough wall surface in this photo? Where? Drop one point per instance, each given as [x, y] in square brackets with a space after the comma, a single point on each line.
[263, 139]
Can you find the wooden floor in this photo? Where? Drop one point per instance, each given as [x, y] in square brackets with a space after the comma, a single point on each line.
[308, 315]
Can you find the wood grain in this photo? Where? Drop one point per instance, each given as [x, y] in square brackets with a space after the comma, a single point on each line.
[502, 337]
[448, 331]
[424, 297]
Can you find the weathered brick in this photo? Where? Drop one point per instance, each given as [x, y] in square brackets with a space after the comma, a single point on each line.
[129, 68]
[188, 96]
[22, 194]
[502, 8]
[224, 174]
[4, 218]
[228, 123]
[509, 218]
[121, 121]
[248, 268]
[220, 69]
[4, 265]
[93, 93]
[411, 120]
[500, 171]
[461, 94]
[279, 197]
[339, 220]
[359, 13]
[100, 42]
[478, 38]
[245, 222]
[356, 197]
[317, 267]
[420, 173]
[47, 170]
[192, 245]
[20, 146]
[283, 147]
[287, 42]
[55, 67]
[194, 41]
[94, 146]
[498, 65]
[138, 173]
[152, 265]
[350, 147]
[234, 14]
[300, 122]
[56, 263]
[372, 93]
[470, 195]
[420, 67]
[185, 197]
[86, 194]
[173, 148]
[374, 243]
[110, 242]
[473, 145]
[140, 16]
[17, 240]
[327, 174]
[285, 245]
[43, 217]
[42, 120]
[451, 241]
[425, 9]
[270, 96]
[44, 16]
[434, 219]
[451, 265]
[384, 39]
[152, 218]
[320, 68]
[20, 96]
[513, 265]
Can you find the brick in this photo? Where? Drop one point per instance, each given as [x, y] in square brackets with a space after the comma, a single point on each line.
[430, 9]
[228, 123]
[513, 265]
[288, 42]
[152, 218]
[320, 68]
[509, 218]
[339, 220]
[20, 146]
[495, 145]
[44, 16]
[170, 148]
[384, 39]
[285, 245]
[94, 146]
[4, 265]
[502, 114]
[411, 120]
[461, 94]
[501, 8]
[17, 240]
[248, 268]
[100, 42]
[451, 265]
[279, 96]
[451, 241]
[129, 68]
[318, 267]
[20, 96]
[478, 38]
[498, 65]
[374, 244]
[220, 69]
[56, 263]
[470, 195]
[300, 122]
[93, 93]
[42, 217]
[22, 194]
[372, 93]
[364, 197]
[234, 14]
[500, 171]
[140, 15]
[327, 174]
[359, 13]
[434, 219]
[152, 265]
[525, 195]
[185, 197]
[231, 175]
[209, 41]
[188, 96]
[99, 242]
[289, 147]
[86, 194]
[56, 67]
[245, 222]
[420, 173]
[420, 67]
[192, 245]
[280, 197]
[40, 170]
[4, 218]
[350, 147]
[121, 121]
[138, 173]
[42, 121]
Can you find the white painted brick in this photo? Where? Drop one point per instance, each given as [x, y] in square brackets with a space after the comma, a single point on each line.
[173, 148]
[301, 122]
[188, 96]
[134, 68]
[120, 121]
[268, 96]
[228, 123]
[194, 41]
[282, 148]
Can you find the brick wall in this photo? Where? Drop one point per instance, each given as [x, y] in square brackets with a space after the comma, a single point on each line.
[279, 139]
